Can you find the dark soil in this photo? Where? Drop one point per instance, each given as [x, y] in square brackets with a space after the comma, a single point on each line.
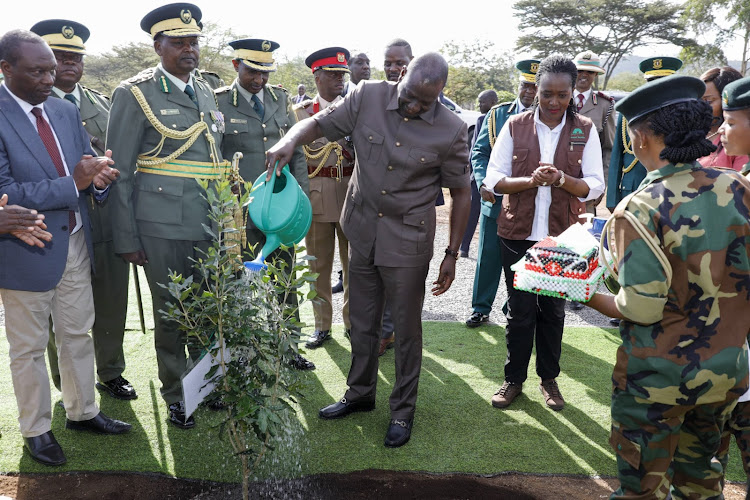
[370, 484]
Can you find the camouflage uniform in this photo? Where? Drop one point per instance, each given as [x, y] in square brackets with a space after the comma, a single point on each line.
[683, 361]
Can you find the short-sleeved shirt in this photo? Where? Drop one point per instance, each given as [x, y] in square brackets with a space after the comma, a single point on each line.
[401, 164]
[684, 342]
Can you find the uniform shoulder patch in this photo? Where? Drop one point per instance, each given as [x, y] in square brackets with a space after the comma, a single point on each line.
[89, 89]
[502, 104]
[222, 90]
[207, 72]
[303, 104]
[605, 96]
[279, 87]
[144, 75]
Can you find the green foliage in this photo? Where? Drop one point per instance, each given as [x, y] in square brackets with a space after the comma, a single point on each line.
[290, 73]
[505, 96]
[610, 28]
[626, 81]
[252, 316]
[476, 67]
[722, 21]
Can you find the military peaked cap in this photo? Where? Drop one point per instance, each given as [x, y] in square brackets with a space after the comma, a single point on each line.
[528, 69]
[61, 34]
[174, 20]
[256, 53]
[656, 67]
[736, 95]
[329, 59]
[658, 94]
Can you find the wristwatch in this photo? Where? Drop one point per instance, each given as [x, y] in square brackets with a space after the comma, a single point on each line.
[561, 181]
[452, 253]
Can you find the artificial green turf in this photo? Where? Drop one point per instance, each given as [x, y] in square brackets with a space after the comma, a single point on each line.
[456, 429]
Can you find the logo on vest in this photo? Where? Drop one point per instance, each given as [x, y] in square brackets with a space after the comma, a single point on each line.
[577, 134]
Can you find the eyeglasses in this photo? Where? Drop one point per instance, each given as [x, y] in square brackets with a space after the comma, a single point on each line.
[64, 56]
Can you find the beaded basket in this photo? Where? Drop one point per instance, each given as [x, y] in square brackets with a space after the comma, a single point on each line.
[566, 266]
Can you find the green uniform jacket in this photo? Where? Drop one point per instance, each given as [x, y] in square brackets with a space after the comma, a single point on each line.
[683, 341]
[213, 79]
[94, 111]
[152, 204]
[619, 184]
[480, 153]
[247, 134]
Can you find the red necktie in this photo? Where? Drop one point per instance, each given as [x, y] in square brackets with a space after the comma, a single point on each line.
[45, 133]
[581, 97]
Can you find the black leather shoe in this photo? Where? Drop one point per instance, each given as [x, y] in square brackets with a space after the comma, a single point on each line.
[44, 449]
[399, 432]
[339, 287]
[343, 408]
[177, 416]
[317, 339]
[477, 319]
[118, 388]
[300, 363]
[101, 424]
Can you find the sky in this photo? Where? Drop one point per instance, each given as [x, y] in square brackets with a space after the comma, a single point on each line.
[300, 27]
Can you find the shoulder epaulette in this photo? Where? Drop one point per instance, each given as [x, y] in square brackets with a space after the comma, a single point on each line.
[144, 75]
[280, 87]
[93, 91]
[270, 89]
[207, 72]
[605, 96]
[506, 103]
[221, 90]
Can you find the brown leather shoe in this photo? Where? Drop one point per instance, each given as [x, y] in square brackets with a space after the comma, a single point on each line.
[506, 394]
[551, 393]
[386, 344]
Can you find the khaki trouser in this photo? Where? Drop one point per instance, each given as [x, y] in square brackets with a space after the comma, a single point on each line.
[320, 244]
[27, 314]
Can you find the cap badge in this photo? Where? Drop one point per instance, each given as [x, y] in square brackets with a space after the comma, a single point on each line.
[657, 63]
[587, 56]
[266, 45]
[340, 57]
[534, 67]
[186, 16]
[68, 32]
[725, 98]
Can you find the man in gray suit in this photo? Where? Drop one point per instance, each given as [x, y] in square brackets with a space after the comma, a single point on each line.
[46, 163]
[407, 149]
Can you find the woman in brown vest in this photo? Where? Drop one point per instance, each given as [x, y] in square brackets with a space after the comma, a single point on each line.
[547, 164]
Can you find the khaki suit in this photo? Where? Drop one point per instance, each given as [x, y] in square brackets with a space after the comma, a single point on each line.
[327, 195]
[600, 108]
[389, 218]
[160, 213]
[110, 283]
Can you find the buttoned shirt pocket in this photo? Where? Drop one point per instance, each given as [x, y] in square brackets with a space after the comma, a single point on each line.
[236, 138]
[373, 144]
[175, 119]
[414, 233]
[423, 157]
[519, 168]
[159, 199]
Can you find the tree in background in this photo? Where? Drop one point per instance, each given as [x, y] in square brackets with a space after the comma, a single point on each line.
[611, 28]
[704, 16]
[290, 72]
[626, 81]
[476, 67]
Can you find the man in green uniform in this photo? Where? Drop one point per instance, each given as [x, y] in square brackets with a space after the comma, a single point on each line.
[165, 125]
[625, 172]
[213, 79]
[110, 283]
[256, 117]
[489, 258]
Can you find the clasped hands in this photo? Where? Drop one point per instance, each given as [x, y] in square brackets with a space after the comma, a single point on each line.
[25, 224]
[545, 175]
[96, 170]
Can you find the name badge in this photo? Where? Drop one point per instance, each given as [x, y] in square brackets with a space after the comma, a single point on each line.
[237, 120]
[169, 112]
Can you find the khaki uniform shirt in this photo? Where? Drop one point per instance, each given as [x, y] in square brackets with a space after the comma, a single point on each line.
[248, 134]
[327, 194]
[600, 109]
[157, 205]
[400, 167]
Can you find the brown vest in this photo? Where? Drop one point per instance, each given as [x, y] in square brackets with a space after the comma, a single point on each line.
[516, 217]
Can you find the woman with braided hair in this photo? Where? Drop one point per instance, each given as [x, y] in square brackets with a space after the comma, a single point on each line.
[681, 245]
[547, 164]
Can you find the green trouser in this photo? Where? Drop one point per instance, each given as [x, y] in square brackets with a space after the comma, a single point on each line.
[489, 266]
[165, 256]
[658, 444]
[738, 426]
[110, 288]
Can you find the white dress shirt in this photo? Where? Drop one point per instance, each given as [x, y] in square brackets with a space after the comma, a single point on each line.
[586, 96]
[26, 107]
[176, 81]
[501, 159]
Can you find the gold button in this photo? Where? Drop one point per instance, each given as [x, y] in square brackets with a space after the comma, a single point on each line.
[369, 138]
[236, 132]
[398, 144]
[159, 189]
[83, 123]
[383, 192]
[421, 222]
[390, 167]
[422, 160]
[263, 125]
[380, 214]
[406, 119]
[265, 139]
[174, 125]
[515, 157]
[579, 162]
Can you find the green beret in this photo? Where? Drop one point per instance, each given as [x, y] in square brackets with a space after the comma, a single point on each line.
[736, 95]
[528, 69]
[658, 94]
[656, 67]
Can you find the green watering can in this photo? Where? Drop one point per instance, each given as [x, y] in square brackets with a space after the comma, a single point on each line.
[281, 210]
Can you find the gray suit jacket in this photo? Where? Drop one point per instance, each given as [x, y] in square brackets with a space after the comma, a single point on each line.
[29, 178]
